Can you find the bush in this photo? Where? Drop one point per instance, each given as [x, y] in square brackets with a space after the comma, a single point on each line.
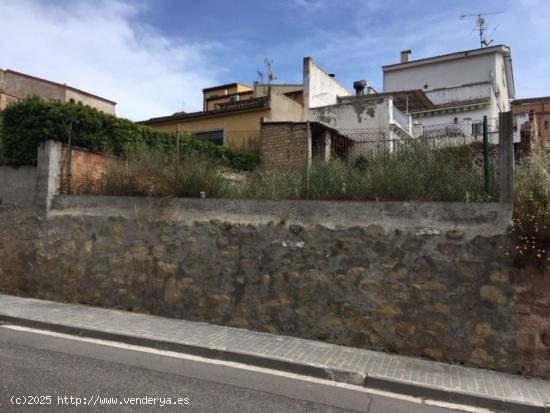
[532, 210]
[32, 120]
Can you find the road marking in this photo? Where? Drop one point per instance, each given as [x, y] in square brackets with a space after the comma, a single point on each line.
[241, 366]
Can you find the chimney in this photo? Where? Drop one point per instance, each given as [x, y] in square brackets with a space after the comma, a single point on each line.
[359, 86]
[405, 56]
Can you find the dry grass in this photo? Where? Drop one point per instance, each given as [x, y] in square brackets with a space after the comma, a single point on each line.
[532, 211]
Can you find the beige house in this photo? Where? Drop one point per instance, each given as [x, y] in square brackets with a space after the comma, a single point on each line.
[15, 86]
[233, 115]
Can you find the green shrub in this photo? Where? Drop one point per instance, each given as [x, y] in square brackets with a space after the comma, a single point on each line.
[32, 120]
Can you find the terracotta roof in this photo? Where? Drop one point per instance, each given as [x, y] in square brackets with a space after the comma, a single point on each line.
[223, 86]
[294, 92]
[216, 97]
[229, 107]
[59, 85]
[531, 100]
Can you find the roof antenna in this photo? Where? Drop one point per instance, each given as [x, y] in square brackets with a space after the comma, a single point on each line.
[481, 26]
[260, 76]
[270, 76]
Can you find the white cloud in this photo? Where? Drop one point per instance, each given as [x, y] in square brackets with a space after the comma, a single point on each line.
[102, 48]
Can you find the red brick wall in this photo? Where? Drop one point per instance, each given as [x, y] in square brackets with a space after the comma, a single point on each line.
[284, 146]
[86, 172]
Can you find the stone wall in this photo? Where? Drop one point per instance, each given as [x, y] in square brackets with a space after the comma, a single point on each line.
[422, 279]
[17, 185]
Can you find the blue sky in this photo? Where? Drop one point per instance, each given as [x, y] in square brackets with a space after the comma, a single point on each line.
[154, 56]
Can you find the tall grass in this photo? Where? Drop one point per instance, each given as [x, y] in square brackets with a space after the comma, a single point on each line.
[415, 172]
[532, 210]
[147, 172]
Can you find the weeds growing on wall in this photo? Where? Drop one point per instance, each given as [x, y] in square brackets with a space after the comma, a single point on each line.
[32, 120]
[532, 210]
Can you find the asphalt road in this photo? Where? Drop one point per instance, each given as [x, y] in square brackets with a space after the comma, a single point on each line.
[39, 365]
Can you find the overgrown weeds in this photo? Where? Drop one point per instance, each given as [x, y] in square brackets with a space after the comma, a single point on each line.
[147, 172]
[412, 173]
[531, 225]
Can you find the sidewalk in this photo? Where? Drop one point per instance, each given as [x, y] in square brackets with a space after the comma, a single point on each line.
[399, 374]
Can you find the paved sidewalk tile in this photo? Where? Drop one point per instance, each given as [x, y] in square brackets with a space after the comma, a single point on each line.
[346, 364]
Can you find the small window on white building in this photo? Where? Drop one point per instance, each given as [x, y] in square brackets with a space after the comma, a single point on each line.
[477, 128]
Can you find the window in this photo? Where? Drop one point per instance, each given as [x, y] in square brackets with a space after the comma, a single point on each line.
[477, 128]
[546, 125]
[214, 136]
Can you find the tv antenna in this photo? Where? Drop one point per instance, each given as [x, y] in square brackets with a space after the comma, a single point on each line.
[268, 72]
[482, 26]
[270, 76]
[260, 76]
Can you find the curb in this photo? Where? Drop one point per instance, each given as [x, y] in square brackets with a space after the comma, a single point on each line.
[339, 375]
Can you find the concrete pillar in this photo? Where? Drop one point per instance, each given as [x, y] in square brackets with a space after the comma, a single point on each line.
[327, 142]
[48, 173]
[506, 156]
[308, 61]
[309, 145]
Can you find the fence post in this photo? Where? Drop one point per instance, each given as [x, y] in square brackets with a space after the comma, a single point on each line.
[48, 172]
[506, 157]
[69, 157]
[309, 155]
[177, 157]
[486, 169]
[178, 145]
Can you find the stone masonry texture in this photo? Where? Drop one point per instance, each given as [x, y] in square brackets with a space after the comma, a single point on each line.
[451, 295]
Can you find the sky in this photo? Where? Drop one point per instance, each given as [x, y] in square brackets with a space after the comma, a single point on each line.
[154, 57]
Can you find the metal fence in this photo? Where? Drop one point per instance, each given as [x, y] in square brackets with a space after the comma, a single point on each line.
[445, 162]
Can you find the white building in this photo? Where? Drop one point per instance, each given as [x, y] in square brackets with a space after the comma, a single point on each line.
[343, 124]
[463, 86]
[367, 121]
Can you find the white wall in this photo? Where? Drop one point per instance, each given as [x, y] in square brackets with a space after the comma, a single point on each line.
[359, 114]
[320, 89]
[460, 94]
[453, 81]
[501, 87]
[444, 74]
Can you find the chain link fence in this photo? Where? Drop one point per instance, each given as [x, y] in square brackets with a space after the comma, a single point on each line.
[3, 160]
[302, 160]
